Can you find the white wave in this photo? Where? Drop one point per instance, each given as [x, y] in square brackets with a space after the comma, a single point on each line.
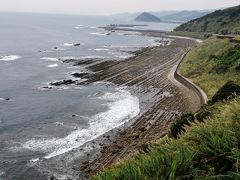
[59, 124]
[2, 99]
[122, 107]
[9, 58]
[68, 44]
[100, 34]
[34, 160]
[49, 59]
[52, 65]
[79, 27]
[101, 49]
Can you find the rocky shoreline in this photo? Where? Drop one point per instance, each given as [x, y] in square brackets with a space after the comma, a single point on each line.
[146, 76]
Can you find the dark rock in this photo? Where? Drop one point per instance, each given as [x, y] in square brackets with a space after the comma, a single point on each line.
[73, 115]
[55, 48]
[123, 133]
[63, 82]
[77, 44]
[7, 99]
[51, 177]
[85, 163]
[136, 136]
[142, 129]
[47, 87]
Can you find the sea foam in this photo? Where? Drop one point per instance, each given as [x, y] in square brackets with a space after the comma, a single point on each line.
[9, 58]
[52, 65]
[68, 44]
[49, 59]
[100, 34]
[101, 49]
[122, 107]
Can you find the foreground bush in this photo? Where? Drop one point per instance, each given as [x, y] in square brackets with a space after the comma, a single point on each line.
[178, 127]
[228, 91]
[206, 151]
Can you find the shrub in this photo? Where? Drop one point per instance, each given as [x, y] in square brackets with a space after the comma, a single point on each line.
[178, 127]
[219, 69]
[237, 68]
[202, 114]
[228, 91]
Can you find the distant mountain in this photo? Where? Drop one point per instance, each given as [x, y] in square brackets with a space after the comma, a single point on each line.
[161, 14]
[225, 21]
[147, 17]
[184, 16]
[132, 16]
[165, 16]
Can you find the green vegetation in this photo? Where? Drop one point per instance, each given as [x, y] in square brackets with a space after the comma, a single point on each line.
[229, 91]
[178, 127]
[212, 64]
[206, 145]
[237, 37]
[225, 21]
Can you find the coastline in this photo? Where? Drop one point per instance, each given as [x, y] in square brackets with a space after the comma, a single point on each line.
[152, 123]
[146, 76]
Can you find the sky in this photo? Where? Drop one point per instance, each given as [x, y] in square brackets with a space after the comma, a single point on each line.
[107, 7]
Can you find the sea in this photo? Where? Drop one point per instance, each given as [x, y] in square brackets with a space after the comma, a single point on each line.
[39, 124]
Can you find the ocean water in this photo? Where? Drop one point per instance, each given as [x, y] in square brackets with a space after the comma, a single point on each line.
[38, 123]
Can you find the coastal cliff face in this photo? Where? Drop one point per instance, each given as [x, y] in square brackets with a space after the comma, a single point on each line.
[147, 17]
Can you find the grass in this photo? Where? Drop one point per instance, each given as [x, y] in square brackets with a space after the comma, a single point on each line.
[237, 37]
[208, 148]
[201, 63]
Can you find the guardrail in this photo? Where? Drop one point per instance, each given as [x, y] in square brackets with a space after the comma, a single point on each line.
[203, 99]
